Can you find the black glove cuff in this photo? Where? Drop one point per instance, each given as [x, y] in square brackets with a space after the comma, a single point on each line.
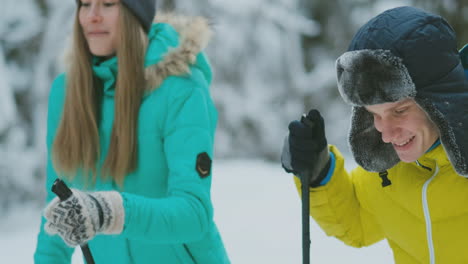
[288, 170]
[322, 175]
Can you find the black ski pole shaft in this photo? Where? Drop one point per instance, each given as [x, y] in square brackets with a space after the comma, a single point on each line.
[304, 176]
[63, 192]
[305, 218]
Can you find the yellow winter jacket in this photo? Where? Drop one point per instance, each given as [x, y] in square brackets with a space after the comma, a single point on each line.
[423, 213]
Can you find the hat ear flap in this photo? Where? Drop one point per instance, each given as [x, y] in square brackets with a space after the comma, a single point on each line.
[369, 77]
[366, 144]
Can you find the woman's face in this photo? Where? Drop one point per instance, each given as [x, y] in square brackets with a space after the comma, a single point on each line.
[406, 126]
[99, 21]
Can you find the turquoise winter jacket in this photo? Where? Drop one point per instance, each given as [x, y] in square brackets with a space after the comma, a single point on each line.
[168, 209]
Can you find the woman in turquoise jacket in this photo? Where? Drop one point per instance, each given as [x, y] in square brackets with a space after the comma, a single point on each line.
[133, 142]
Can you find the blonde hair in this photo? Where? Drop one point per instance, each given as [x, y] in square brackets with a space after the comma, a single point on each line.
[76, 145]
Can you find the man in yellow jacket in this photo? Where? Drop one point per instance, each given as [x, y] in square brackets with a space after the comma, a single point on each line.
[403, 76]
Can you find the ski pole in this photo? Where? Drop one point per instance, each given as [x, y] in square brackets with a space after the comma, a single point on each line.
[63, 192]
[304, 176]
[305, 218]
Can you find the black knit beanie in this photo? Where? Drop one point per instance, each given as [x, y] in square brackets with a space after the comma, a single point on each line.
[144, 10]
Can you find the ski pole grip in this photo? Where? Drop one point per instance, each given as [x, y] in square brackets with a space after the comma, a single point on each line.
[306, 121]
[61, 190]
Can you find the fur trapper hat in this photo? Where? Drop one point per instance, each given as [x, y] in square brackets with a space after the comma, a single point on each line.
[405, 52]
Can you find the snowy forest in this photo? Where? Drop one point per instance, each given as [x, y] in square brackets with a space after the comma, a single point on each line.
[272, 61]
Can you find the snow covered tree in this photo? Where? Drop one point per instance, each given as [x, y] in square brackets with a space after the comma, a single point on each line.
[31, 34]
[272, 61]
[20, 35]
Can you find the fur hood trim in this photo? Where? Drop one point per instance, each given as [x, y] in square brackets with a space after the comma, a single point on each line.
[194, 35]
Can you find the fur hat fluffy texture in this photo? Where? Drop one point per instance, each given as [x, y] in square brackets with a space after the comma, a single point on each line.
[405, 52]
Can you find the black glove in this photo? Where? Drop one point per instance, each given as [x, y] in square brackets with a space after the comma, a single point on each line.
[305, 149]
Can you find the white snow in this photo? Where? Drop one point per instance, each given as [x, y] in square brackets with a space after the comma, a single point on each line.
[257, 210]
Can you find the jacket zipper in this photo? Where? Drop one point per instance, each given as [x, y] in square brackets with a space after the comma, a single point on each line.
[422, 166]
[427, 217]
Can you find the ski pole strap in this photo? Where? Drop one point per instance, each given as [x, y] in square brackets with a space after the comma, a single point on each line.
[63, 192]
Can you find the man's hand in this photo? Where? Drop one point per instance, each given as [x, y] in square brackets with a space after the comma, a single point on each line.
[305, 149]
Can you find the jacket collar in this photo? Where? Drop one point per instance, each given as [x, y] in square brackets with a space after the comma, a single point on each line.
[436, 155]
[174, 44]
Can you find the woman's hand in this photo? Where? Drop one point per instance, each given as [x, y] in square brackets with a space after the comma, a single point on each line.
[83, 215]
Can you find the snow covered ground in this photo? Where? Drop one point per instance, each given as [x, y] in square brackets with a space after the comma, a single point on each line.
[257, 211]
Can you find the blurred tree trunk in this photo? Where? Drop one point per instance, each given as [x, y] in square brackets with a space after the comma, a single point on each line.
[167, 4]
[334, 19]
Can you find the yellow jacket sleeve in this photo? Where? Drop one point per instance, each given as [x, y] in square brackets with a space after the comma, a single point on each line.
[339, 206]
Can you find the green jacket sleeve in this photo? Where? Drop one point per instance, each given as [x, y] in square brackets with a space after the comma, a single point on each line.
[186, 213]
[52, 249]
[339, 207]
